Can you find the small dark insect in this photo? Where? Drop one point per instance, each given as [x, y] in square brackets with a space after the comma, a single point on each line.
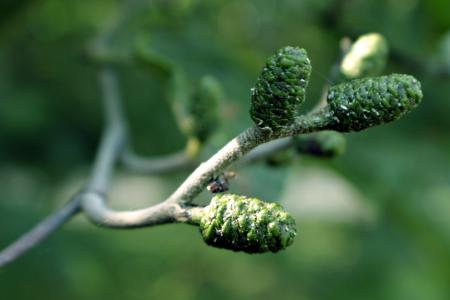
[221, 183]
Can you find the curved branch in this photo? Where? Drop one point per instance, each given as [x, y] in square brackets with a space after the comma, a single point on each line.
[234, 150]
[107, 154]
[231, 152]
[172, 208]
[93, 200]
[94, 206]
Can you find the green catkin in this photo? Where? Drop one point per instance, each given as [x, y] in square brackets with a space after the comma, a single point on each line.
[280, 89]
[246, 224]
[366, 57]
[203, 106]
[195, 110]
[367, 102]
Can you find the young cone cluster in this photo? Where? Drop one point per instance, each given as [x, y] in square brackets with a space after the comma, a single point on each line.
[246, 224]
[280, 89]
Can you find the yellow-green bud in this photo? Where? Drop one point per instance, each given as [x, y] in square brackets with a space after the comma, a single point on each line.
[246, 224]
[366, 57]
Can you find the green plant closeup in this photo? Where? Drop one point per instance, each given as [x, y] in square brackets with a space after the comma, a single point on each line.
[225, 149]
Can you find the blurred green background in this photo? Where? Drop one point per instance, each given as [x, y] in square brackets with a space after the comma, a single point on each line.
[373, 224]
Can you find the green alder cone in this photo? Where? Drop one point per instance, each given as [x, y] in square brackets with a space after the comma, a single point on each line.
[280, 89]
[203, 109]
[366, 57]
[246, 224]
[326, 144]
[195, 110]
[368, 102]
[196, 113]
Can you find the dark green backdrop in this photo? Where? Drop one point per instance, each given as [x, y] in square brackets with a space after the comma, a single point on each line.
[399, 174]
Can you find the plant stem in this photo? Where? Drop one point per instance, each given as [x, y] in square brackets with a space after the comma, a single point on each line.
[174, 209]
[238, 147]
[114, 136]
[93, 200]
[39, 232]
[208, 170]
[95, 208]
[266, 150]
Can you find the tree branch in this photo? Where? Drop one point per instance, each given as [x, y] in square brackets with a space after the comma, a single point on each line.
[40, 232]
[208, 170]
[176, 208]
[234, 150]
[95, 208]
[266, 150]
[112, 143]
[173, 209]
[93, 200]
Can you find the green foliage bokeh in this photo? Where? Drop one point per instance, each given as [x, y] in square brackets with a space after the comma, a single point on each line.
[51, 120]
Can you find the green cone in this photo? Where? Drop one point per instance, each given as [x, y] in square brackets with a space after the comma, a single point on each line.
[280, 88]
[246, 224]
[363, 103]
[202, 118]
